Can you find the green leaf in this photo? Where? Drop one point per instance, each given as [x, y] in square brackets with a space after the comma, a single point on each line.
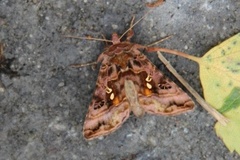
[220, 71]
[232, 101]
[230, 133]
[220, 78]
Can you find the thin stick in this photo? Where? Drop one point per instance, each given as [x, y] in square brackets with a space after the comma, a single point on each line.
[223, 120]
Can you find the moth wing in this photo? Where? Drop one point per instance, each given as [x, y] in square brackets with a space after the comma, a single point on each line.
[157, 93]
[104, 115]
[165, 98]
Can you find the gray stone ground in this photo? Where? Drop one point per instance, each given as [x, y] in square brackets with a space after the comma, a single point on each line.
[42, 111]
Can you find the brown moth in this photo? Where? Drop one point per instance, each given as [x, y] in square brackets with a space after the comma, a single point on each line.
[128, 81]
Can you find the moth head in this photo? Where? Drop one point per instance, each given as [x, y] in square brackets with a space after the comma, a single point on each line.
[115, 38]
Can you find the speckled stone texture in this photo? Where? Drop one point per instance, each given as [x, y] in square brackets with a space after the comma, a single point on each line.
[42, 111]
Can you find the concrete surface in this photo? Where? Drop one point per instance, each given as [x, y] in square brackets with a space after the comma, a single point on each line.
[42, 111]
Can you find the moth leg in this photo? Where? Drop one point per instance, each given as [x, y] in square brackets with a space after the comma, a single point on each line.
[83, 64]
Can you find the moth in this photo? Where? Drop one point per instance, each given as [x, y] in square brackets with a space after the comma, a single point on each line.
[129, 82]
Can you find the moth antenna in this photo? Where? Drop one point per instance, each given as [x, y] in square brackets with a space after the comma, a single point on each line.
[132, 25]
[133, 18]
[150, 5]
[159, 41]
[88, 38]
